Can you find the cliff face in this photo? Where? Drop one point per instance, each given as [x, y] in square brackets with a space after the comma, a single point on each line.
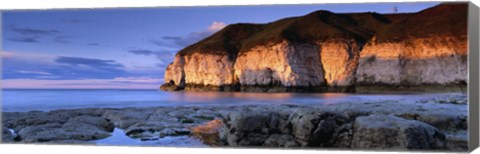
[284, 64]
[324, 51]
[417, 61]
[340, 59]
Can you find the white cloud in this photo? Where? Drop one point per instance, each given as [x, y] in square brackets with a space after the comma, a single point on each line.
[5, 54]
[27, 55]
[34, 72]
[198, 35]
[138, 79]
[216, 26]
[116, 83]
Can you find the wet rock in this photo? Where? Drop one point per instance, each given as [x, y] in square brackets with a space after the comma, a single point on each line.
[457, 141]
[181, 113]
[152, 130]
[448, 99]
[96, 121]
[342, 138]
[379, 131]
[70, 142]
[281, 140]
[186, 120]
[445, 121]
[57, 131]
[251, 127]
[209, 132]
[397, 124]
[313, 128]
[84, 131]
[205, 114]
[34, 118]
[145, 130]
[7, 135]
[446, 117]
[124, 118]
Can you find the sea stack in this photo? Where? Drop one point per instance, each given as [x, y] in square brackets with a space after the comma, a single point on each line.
[325, 51]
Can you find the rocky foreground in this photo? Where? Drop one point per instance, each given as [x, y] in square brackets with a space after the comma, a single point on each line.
[438, 124]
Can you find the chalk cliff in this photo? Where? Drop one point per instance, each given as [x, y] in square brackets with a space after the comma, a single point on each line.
[325, 51]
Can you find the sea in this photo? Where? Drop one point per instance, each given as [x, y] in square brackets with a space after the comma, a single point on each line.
[53, 99]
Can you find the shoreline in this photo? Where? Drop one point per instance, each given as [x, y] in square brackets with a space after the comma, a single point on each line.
[336, 125]
[359, 88]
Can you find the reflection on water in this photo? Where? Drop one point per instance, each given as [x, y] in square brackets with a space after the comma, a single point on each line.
[202, 97]
[119, 138]
[26, 100]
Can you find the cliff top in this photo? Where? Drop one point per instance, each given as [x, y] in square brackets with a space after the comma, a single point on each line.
[443, 19]
[318, 26]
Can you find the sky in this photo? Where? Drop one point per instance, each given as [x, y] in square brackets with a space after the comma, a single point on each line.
[126, 48]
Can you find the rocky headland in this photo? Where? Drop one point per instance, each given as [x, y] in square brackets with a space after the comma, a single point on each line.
[430, 124]
[325, 51]
[319, 52]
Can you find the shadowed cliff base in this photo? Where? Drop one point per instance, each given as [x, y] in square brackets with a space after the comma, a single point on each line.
[378, 88]
[329, 52]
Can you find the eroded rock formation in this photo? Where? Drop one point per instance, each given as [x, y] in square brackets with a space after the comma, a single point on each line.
[426, 123]
[324, 51]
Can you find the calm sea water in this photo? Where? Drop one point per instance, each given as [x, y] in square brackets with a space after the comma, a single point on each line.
[44, 100]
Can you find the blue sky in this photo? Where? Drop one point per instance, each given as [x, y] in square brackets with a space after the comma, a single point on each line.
[126, 47]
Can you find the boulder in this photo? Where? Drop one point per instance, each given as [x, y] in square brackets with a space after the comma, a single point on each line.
[381, 131]
[252, 127]
[314, 128]
[209, 132]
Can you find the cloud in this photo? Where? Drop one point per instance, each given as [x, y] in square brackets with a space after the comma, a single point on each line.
[142, 52]
[109, 65]
[34, 72]
[62, 39]
[6, 54]
[24, 39]
[33, 35]
[164, 57]
[138, 80]
[74, 21]
[166, 44]
[216, 26]
[115, 83]
[35, 66]
[34, 32]
[196, 36]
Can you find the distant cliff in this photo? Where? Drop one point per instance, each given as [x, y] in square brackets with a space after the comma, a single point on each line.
[325, 51]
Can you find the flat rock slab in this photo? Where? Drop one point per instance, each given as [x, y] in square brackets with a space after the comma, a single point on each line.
[368, 125]
[56, 131]
[380, 131]
[403, 124]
